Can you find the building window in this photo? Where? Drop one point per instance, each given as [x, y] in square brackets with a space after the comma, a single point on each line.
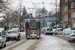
[66, 9]
[73, 5]
[66, 18]
[73, 15]
[66, 0]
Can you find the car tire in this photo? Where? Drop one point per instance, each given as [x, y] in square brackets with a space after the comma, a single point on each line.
[2, 46]
[7, 39]
[53, 34]
[18, 38]
[5, 44]
[27, 38]
[38, 38]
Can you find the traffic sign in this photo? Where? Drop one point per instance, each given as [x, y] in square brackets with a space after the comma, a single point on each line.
[24, 21]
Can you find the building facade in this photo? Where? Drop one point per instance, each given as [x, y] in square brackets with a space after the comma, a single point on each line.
[67, 13]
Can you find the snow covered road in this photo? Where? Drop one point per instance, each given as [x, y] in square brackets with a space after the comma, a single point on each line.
[45, 43]
[53, 43]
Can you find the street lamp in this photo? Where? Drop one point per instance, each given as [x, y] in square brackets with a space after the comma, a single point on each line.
[31, 11]
[43, 14]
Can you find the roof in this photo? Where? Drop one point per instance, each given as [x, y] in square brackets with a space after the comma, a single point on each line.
[27, 20]
[1, 29]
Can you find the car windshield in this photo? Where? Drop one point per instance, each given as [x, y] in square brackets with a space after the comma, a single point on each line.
[0, 33]
[60, 29]
[12, 32]
[54, 28]
[49, 29]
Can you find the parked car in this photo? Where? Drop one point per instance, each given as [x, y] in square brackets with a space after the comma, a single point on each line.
[13, 34]
[59, 31]
[2, 38]
[72, 35]
[54, 30]
[48, 31]
[67, 31]
[43, 29]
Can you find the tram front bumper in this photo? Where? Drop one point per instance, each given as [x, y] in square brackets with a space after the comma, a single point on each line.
[33, 36]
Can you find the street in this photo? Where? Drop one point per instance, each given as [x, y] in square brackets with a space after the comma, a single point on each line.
[37, 24]
[46, 42]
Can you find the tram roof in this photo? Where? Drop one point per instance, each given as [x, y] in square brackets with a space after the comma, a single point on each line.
[27, 20]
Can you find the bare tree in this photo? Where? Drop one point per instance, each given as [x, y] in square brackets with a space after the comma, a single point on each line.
[40, 12]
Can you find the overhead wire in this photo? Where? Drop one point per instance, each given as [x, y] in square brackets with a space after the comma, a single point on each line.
[35, 2]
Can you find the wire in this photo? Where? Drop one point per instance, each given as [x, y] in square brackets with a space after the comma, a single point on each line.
[34, 5]
[35, 2]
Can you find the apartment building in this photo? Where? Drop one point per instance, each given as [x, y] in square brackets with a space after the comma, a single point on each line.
[67, 13]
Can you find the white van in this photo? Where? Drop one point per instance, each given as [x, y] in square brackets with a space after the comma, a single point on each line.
[2, 38]
[48, 31]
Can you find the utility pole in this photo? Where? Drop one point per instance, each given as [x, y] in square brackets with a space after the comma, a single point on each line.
[31, 11]
[20, 11]
[43, 14]
[7, 17]
[56, 14]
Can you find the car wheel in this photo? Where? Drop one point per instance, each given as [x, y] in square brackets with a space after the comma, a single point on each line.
[53, 34]
[7, 39]
[18, 39]
[27, 38]
[5, 44]
[38, 38]
[2, 45]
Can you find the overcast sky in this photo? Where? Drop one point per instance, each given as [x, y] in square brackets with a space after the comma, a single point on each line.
[33, 4]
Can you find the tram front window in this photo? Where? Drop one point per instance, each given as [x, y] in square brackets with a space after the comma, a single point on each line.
[33, 25]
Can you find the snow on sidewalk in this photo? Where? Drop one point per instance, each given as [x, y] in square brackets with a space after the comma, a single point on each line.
[53, 43]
